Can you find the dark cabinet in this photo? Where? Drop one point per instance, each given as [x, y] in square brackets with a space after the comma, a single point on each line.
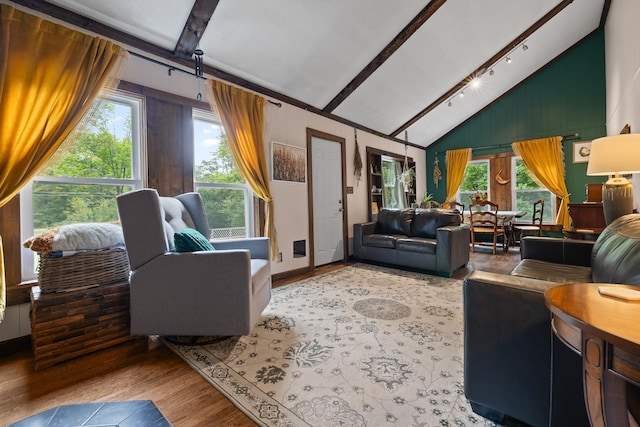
[587, 215]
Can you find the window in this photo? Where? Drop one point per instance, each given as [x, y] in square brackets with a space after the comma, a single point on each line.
[226, 196]
[393, 194]
[526, 192]
[80, 183]
[476, 179]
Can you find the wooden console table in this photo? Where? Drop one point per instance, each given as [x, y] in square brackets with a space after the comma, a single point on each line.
[604, 330]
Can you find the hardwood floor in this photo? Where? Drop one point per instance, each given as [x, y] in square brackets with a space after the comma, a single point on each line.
[146, 369]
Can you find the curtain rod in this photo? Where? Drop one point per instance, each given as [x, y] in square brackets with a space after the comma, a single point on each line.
[488, 147]
[172, 68]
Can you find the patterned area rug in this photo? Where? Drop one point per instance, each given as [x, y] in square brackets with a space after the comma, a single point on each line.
[361, 346]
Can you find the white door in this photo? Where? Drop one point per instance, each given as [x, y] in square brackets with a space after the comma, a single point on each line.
[327, 201]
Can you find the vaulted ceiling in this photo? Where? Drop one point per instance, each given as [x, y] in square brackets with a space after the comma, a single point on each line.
[380, 65]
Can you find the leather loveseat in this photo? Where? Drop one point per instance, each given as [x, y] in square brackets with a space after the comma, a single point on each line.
[425, 239]
[514, 364]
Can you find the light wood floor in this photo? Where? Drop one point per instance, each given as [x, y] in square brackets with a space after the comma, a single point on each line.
[146, 369]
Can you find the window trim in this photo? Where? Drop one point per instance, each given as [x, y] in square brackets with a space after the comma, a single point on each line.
[138, 171]
[552, 209]
[249, 211]
[488, 162]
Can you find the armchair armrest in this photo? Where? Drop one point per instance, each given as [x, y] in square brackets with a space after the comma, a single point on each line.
[508, 351]
[258, 246]
[561, 251]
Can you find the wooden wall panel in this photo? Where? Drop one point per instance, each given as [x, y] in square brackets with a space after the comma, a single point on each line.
[500, 193]
[169, 161]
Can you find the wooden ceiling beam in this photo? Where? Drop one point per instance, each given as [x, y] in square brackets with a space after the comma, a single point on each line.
[385, 54]
[199, 18]
[482, 68]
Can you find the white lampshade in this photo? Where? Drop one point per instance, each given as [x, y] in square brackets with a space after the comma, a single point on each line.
[615, 154]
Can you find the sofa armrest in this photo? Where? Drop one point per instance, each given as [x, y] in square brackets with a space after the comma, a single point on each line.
[561, 251]
[359, 231]
[452, 247]
[508, 351]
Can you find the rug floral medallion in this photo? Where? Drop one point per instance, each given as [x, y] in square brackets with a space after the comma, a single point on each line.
[361, 346]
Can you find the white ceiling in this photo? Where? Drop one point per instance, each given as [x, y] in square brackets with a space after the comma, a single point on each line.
[310, 50]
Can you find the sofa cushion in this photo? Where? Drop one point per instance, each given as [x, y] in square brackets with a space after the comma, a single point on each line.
[394, 221]
[426, 222]
[552, 272]
[380, 240]
[190, 240]
[417, 244]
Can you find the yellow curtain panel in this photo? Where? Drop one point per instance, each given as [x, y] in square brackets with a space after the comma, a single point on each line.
[545, 160]
[456, 164]
[49, 77]
[242, 115]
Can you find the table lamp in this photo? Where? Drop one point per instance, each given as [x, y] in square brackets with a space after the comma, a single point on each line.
[615, 155]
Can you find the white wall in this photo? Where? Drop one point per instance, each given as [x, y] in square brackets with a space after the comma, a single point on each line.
[288, 124]
[622, 52]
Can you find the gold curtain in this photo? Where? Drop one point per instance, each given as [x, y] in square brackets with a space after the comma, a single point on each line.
[545, 160]
[242, 115]
[456, 164]
[49, 77]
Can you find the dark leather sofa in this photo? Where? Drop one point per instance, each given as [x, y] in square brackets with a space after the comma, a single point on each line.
[514, 365]
[425, 239]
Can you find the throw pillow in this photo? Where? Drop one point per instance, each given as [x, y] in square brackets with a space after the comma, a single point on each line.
[190, 240]
[73, 237]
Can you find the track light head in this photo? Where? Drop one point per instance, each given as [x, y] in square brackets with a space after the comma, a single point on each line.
[508, 60]
[491, 72]
[525, 47]
[449, 103]
[462, 94]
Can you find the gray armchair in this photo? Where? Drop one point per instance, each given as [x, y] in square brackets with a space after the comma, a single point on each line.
[220, 292]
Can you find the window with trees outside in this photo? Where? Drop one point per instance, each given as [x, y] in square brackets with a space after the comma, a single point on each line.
[227, 197]
[476, 179]
[102, 159]
[526, 192]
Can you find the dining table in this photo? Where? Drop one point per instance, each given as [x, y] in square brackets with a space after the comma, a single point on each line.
[505, 219]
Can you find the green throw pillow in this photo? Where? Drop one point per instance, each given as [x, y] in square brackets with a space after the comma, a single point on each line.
[190, 240]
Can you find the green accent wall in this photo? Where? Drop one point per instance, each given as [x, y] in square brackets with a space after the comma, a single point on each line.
[565, 97]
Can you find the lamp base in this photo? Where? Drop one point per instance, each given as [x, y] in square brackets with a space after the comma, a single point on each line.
[617, 198]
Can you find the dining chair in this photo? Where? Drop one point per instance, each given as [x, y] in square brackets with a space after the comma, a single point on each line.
[457, 207]
[535, 227]
[484, 220]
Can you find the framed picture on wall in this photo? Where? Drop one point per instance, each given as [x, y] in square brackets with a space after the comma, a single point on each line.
[581, 151]
[288, 163]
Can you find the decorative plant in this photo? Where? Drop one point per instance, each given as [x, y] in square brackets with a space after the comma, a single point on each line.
[406, 178]
[427, 197]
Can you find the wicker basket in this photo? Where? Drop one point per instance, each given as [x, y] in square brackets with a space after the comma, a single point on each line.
[82, 270]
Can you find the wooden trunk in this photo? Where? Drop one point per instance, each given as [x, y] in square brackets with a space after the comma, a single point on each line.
[65, 325]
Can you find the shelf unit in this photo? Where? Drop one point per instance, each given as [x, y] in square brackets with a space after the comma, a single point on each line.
[375, 182]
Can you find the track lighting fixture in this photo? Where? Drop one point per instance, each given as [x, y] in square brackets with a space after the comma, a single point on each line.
[474, 81]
